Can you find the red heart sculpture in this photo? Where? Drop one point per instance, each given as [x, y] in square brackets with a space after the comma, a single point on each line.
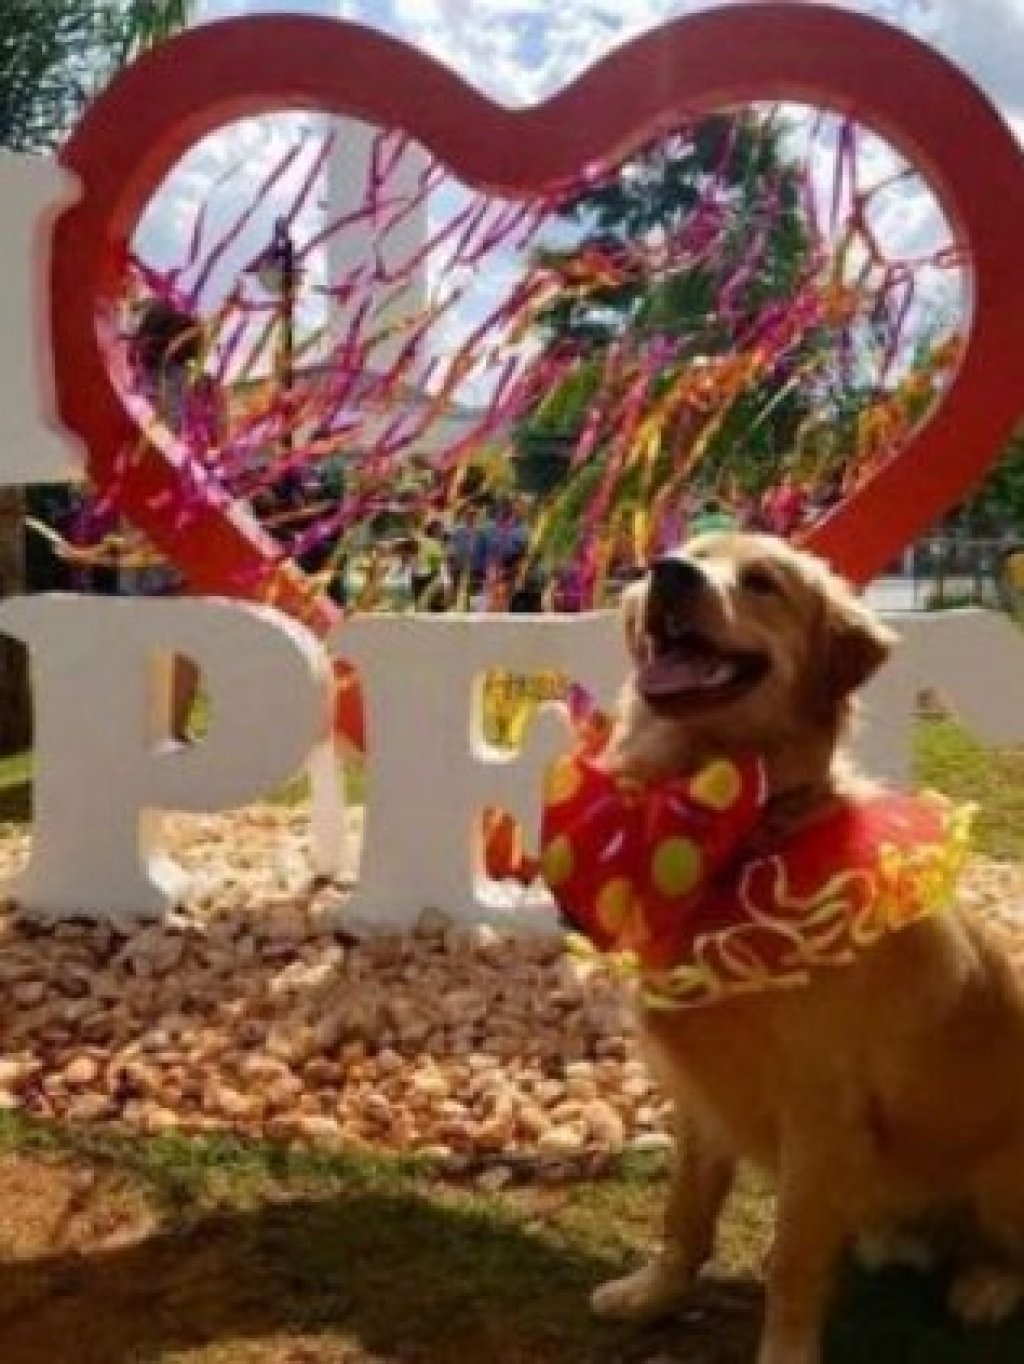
[157, 109]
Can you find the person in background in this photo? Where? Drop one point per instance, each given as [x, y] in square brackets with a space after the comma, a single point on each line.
[527, 595]
[623, 565]
[396, 586]
[429, 576]
[461, 546]
[755, 520]
[497, 590]
[483, 555]
[784, 507]
[672, 529]
[510, 537]
[566, 590]
[363, 574]
[167, 356]
[90, 520]
[744, 504]
[323, 560]
[166, 353]
[824, 498]
[713, 515]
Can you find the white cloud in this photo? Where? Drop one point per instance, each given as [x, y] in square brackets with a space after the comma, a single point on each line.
[223, 175]
[208, 10]
[985, 37]
[521, 51]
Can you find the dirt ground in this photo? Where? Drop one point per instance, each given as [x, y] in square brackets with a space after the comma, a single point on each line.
[104, 1267]
[182, 1252]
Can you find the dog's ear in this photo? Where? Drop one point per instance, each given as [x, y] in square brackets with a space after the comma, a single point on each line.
[856, 642]
[632, 609]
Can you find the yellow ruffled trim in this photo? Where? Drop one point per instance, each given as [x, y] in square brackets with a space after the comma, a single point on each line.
[846, 915]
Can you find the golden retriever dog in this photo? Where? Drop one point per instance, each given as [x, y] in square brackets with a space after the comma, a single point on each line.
[880, 1092]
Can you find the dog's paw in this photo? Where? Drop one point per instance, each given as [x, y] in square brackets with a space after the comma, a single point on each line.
[986, 1295]
[876, 1250]
[652, 1292]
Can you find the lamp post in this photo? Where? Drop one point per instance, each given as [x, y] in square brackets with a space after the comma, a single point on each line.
[277, 272]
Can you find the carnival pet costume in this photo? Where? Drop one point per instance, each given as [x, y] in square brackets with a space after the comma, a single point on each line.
[665, 882]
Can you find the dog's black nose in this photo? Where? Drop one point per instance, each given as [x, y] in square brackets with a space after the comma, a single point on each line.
[675, 579]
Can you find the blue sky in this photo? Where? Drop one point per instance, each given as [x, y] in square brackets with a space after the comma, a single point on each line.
[523, 49]
[520, 51]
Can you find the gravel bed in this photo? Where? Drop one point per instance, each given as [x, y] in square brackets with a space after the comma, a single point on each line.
[251, 1014]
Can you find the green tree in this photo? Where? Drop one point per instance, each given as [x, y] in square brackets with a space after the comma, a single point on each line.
[54, 56]
[997, 507]
[654, 197]
[729, 177]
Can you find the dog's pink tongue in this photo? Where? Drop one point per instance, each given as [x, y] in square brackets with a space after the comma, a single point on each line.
[668, 675]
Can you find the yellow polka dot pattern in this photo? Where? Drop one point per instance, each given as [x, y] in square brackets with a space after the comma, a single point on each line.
[557, 861]
[718, 787]
[616, 905]
[563, 782]
[677, 866]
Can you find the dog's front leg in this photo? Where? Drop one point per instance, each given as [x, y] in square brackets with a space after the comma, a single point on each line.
[814, 1222]
[701, 1178]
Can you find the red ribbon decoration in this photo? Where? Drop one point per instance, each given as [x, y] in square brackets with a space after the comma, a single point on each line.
[215, 74]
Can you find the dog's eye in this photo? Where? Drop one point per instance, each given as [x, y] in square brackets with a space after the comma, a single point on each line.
[760, 582]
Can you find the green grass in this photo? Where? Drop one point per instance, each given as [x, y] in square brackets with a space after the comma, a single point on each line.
[235, 1253]
[362, 1259]
[16, 787]
[948, 759]
[16, 769]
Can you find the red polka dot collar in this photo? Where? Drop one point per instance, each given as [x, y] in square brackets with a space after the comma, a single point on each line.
[661, 879]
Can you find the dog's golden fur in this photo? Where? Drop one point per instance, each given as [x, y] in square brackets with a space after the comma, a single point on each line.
[881, 1092]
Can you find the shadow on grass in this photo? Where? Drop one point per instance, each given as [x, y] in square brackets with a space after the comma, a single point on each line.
[389, 1276]
[403, 1276]
[900, 1317]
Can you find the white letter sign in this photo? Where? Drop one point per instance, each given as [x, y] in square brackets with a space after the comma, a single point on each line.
[33, 447]
[104, 757]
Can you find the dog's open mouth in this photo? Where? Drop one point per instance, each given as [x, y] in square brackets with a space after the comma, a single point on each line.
[687, 666]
